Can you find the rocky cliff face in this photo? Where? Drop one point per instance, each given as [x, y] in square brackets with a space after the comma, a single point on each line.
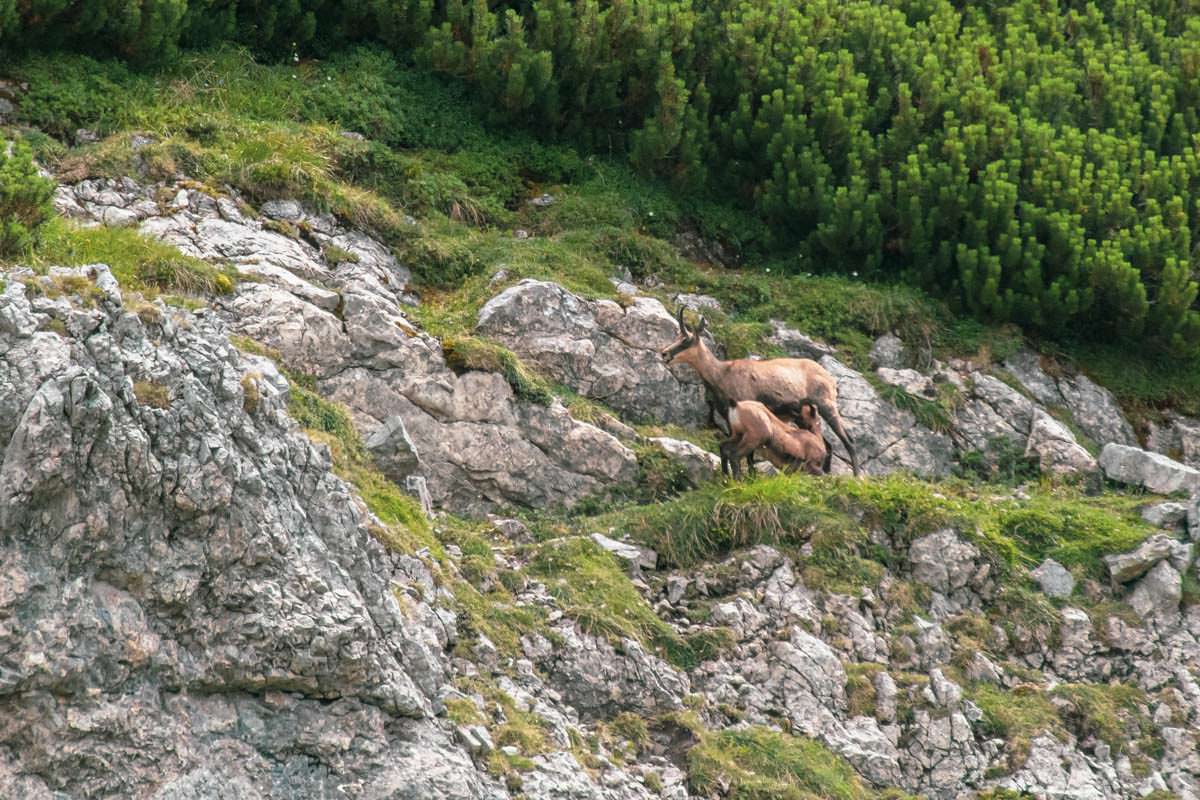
[193, 607]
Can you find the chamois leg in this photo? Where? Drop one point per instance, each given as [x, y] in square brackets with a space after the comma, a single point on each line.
[830, 414]
[751, 470]
[731, 457]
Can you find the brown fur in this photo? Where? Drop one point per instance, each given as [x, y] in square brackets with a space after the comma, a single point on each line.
[753, 427]
[783, 385]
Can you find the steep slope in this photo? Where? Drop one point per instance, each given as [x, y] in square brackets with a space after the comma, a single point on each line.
[193, 605]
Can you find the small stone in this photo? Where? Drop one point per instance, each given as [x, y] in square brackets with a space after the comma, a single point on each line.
[285, 210]
[1054, 578]
[888, 352]
[1167, 515]
[676, 588]
[909, 380]
[1136, 563]
[1158, 594]
[542, 201]
[982, 669]
[1055, 447]
[885, 697]
[697, 302]
[634, 555]
[513, 529]
[86, 136]
[797, 344]
[625, 288]
[699, 464]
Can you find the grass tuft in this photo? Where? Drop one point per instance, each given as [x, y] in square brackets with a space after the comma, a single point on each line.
[466, 353]
[149, 393]
[757, 763]
[137, 262]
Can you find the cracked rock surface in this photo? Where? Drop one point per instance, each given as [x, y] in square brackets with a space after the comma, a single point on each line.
[476, 443]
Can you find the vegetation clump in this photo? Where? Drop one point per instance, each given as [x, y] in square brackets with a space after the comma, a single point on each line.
[149, 393]
[758, 763]
[24, 200]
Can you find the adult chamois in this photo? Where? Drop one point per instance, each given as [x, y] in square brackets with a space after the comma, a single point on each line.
[752, 427]
[784, 385]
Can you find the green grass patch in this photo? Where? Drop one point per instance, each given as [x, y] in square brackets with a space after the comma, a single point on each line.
[592, 588]
[466, 353]
[834, 514]
[137, 262]
[1016, 715]
[1115, 713]
[154, 395]
[757, 763]
[860, 688]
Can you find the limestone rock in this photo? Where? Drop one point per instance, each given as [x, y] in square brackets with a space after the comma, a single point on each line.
[796, 344]
[1158, 594]
[1056, 449]
[599, 349]
[479, 446]
[1169, 515]
[632, 554]
[1093, 408]
[888, 352]
[1125, 567]
[697, 302]
[600, 682]
[1054, 579]
[943, 561]
[1152, 471]
[909, 380]
[701, 465]
[1177, 436]
[886, 438]
[201, 599]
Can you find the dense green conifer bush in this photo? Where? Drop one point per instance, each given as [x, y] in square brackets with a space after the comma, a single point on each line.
[1030, 163]
[24, 199]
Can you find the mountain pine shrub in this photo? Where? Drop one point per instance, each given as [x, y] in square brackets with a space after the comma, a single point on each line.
[24, 200]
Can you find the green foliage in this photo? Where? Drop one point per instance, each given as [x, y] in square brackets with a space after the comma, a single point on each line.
[137, 262]
[24, 199]
[592, 589]
[149, 393]
[468, 353]
[1028, 165]
[1001, 461]
[757, 763]
[1017, 715]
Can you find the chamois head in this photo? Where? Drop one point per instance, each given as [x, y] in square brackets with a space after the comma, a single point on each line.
[810, 420]
[686, 341]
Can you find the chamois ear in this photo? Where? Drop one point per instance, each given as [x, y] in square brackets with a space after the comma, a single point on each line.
[700, 328]
[683, 328]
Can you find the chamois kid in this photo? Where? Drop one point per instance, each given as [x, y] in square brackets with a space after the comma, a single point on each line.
[752, 427]
[783, 385]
